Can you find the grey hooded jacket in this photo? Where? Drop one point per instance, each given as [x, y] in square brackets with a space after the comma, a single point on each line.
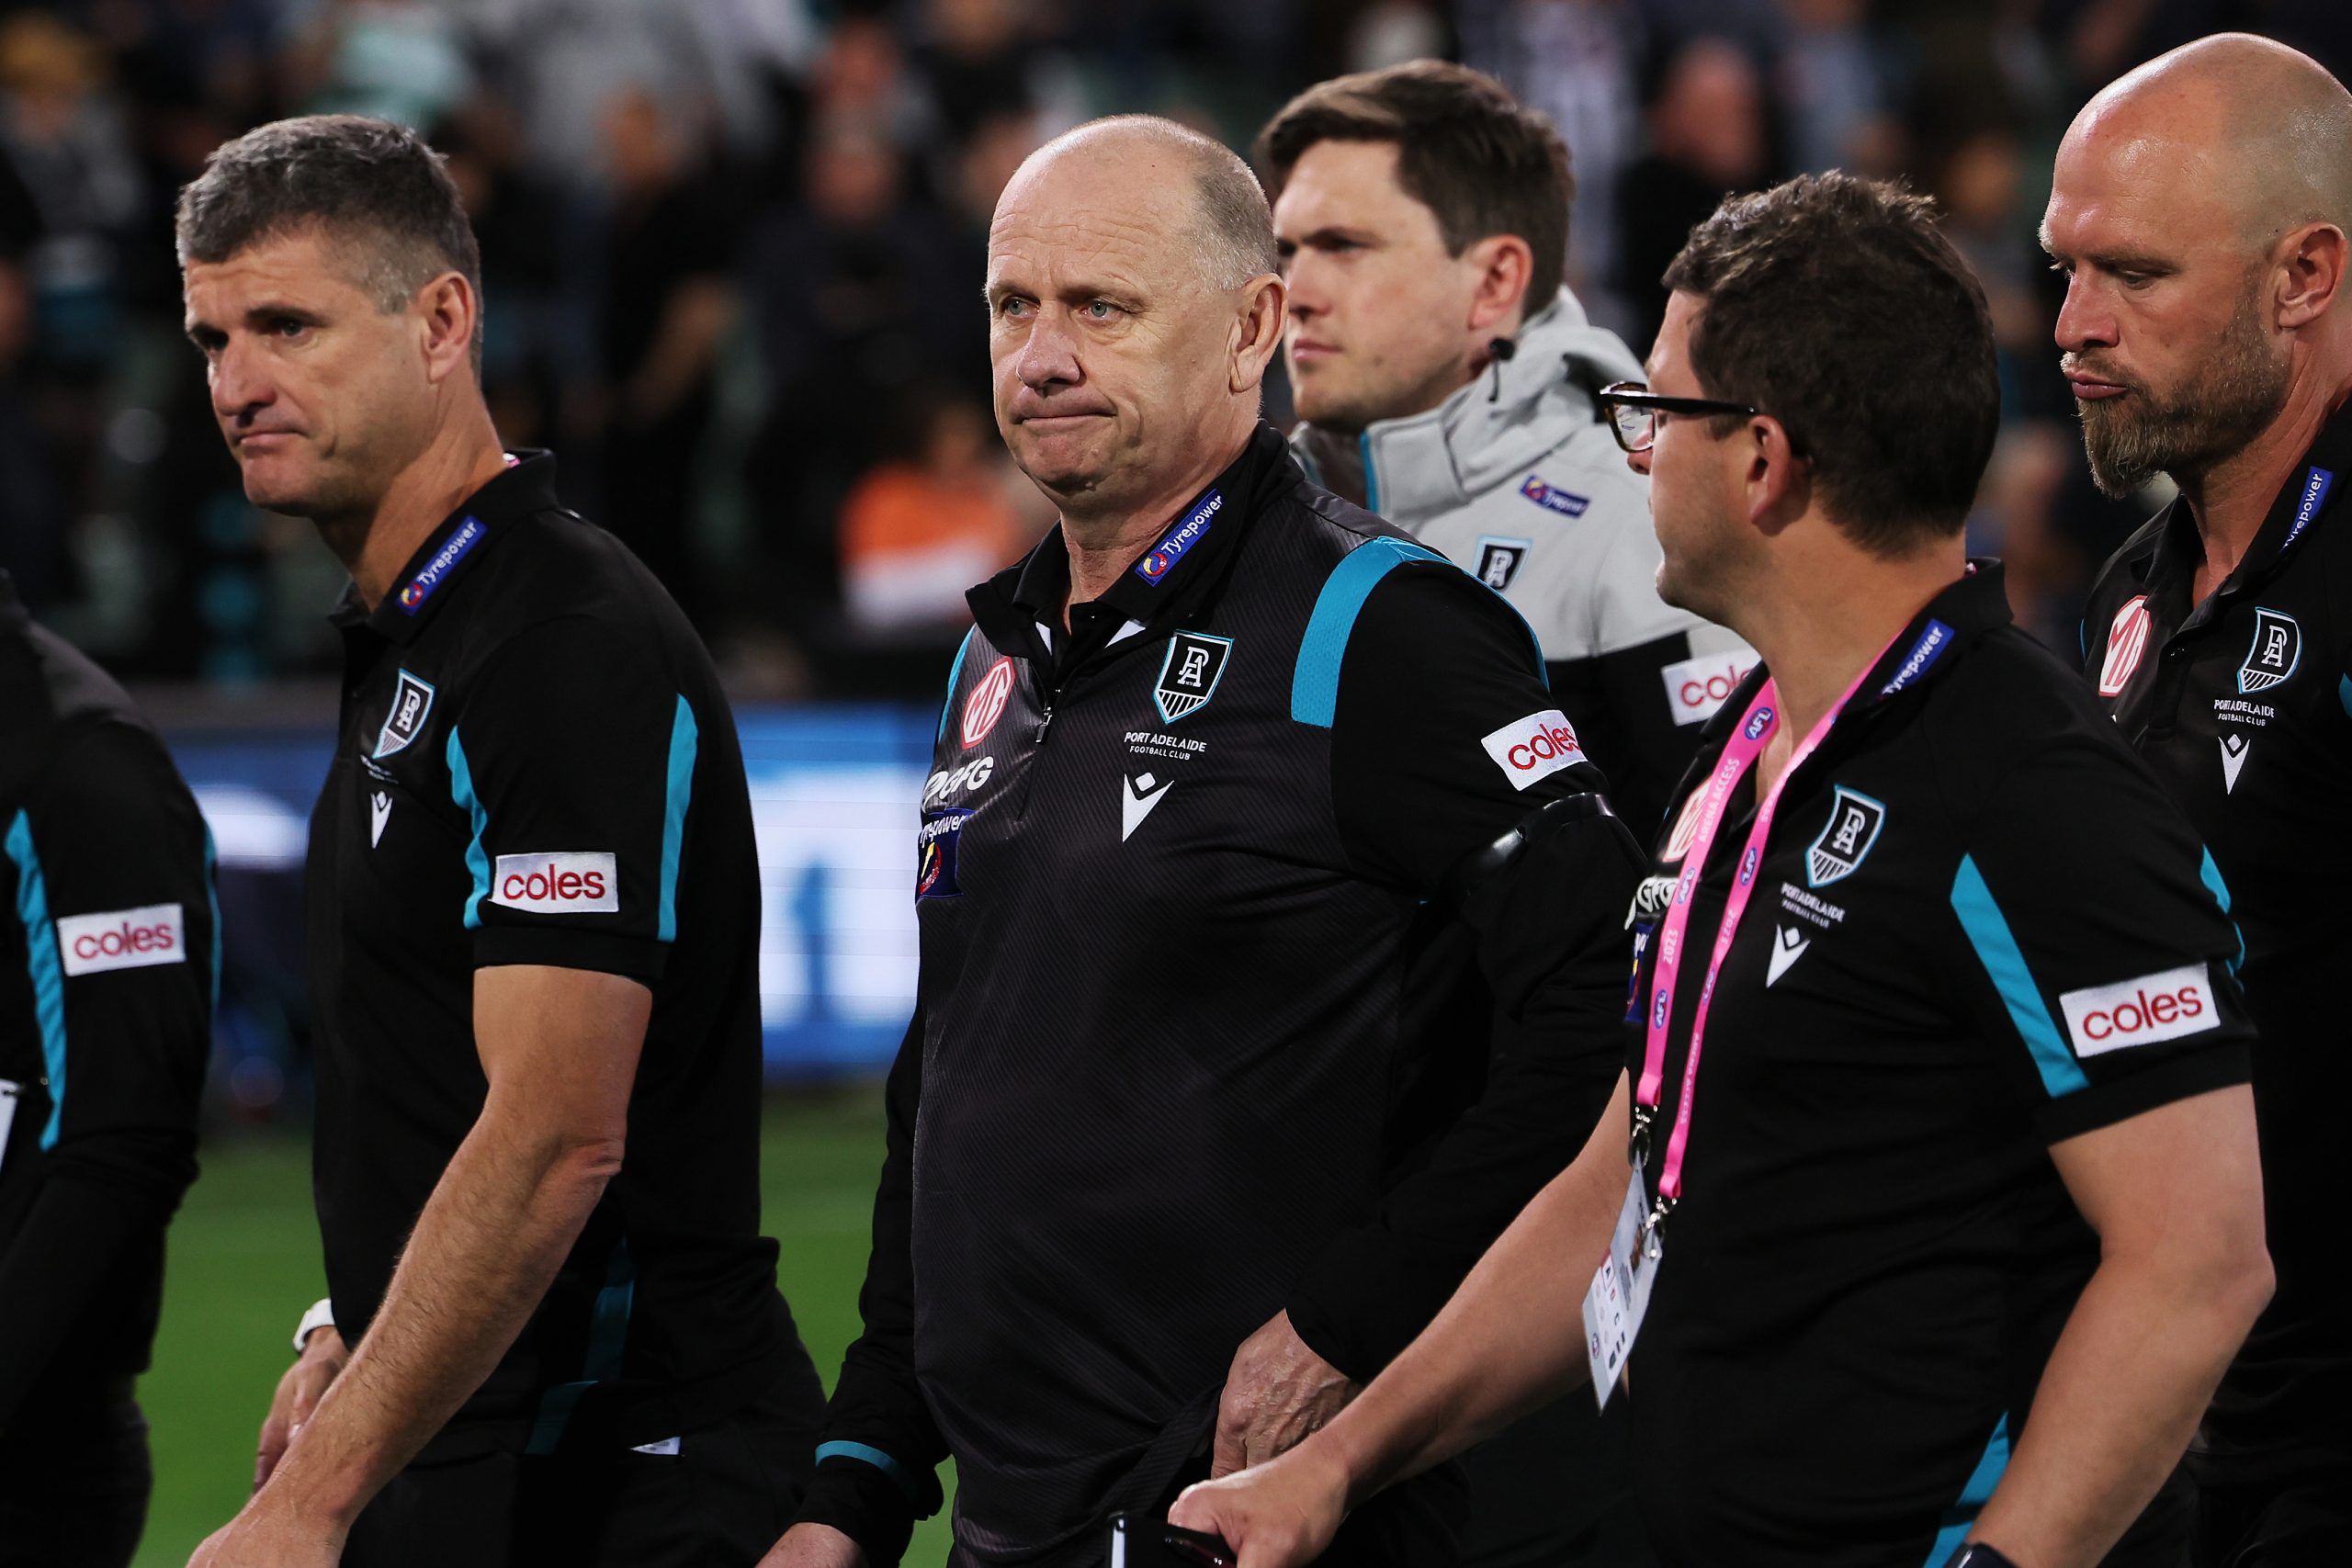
[1516, 480]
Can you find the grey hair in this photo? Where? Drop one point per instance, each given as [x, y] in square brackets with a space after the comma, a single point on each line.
[1233, 229]
[371, 188]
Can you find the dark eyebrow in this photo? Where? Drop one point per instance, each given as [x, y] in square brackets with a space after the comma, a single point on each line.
[1330, 235]
[259, 318]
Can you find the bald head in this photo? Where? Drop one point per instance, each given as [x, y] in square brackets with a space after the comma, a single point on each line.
[1134, 303]
[2199, 208]
[1172, 170]
[2265, 124]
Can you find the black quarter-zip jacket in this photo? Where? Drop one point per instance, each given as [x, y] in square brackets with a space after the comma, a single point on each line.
[2243, 706]
[1203, 1034]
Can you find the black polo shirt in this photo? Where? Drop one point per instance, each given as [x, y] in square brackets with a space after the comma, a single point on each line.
[107, 973]
[2243, 706]
[1979, 927]
[1186, 877]
[536, 766]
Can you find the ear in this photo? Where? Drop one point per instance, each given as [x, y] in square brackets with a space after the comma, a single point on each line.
[1779, 483]
[1502, 264]
[2313, 262]
[447, 311]
[1256, 332]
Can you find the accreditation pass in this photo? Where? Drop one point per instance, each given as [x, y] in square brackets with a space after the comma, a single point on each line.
[1620, 1293]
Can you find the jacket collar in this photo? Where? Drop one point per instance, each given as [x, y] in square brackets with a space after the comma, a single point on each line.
[2167, 563]
[1974, 603]
[1502, 424]
[431, 576]
[1190, 553]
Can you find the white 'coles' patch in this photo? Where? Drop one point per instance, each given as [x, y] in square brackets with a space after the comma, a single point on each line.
[2141, 1012]
[123, 939]
[1536, 747]
[1695, 688]
[558, 883]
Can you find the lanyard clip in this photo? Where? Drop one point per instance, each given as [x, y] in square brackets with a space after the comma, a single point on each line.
[1659, 1211]
[1637, 1146]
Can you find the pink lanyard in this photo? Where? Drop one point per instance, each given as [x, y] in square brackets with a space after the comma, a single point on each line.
[1747, 745]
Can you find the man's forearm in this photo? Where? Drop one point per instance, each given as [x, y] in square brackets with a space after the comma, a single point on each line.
[2126, 1384]
[505, 1213]
[1509, 1340]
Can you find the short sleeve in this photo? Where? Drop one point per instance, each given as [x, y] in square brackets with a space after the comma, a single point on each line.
[576, 755]
[2098, 949]
[114, 888]
[1445, 735]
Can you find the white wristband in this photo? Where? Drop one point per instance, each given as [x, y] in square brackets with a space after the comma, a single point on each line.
[320, 1315]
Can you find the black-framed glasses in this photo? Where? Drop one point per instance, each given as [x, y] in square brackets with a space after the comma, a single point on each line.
[1631, 410]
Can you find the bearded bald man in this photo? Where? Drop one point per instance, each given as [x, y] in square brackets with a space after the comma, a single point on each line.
[2200, 208]
[1198, 1121]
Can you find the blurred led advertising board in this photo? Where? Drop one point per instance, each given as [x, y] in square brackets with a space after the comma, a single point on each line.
[833, 796]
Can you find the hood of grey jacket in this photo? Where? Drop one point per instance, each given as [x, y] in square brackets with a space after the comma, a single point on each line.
[1502, 424]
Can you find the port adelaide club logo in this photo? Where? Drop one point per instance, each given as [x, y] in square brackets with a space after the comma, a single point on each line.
[1854, 827]
[2277, 648]
[1500, 560]
[1188, 675]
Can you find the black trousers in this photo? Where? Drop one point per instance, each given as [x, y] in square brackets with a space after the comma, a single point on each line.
[75, 1478]
[2289, 1509]
[1552, 1491]
[719, 1502]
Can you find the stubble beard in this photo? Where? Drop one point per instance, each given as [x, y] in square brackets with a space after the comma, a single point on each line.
[2232, 398]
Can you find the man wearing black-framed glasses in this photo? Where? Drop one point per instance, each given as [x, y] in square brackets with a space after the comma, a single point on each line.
[1935, 1252]
[1630, 410]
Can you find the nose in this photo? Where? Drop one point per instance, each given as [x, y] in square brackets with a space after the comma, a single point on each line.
[2084, 321]
[1048, 355]
[1640, 461]
[1305, 286]
[240, 380]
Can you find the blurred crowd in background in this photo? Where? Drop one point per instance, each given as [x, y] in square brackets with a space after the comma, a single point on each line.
[732, 253]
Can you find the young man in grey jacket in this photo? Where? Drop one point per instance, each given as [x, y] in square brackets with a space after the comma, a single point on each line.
[1446, 379]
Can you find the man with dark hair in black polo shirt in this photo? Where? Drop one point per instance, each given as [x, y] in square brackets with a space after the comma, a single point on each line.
[1935, 1251]
[2200, 208]
[1233, 787]
[108, 935]
[552, 1332]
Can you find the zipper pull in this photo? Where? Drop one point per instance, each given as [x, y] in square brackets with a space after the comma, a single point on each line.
[1043, 725]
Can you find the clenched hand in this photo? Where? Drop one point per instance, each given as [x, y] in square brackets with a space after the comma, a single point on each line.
[1278, 1393]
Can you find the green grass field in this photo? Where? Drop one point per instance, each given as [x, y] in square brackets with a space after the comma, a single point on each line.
[245, 1262]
